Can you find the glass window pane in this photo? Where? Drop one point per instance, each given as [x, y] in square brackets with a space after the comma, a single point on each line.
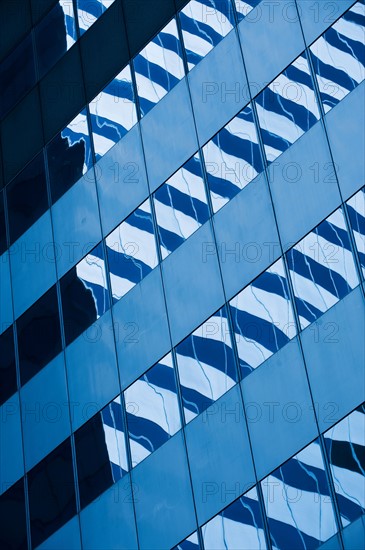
[113, 112]
[298, 503]
[244, 7]
[132, 252]
[181, 206]
[89, 11]
[322, 268]
[101, 452]
[17, 75]
[152, 409]
[69, 156]
[190, 543]
[84, 293]
[27, 197]
[345, 444]
[51, 493]
[158, 67]
[13, 532]
[204, 23]
[206, 365]
[8, 383]
[232, 158]
[287, 108]
[3, 243]
[39, 335]
[263, 318]
[54, 35]
[237, 527]
[339, 57]
[356, 212]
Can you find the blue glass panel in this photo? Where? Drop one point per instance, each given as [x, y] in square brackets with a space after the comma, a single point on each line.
[204, 23]
[113, 112]
[237, 527]
[69, 155]
[89, 11]
[158, 67]
[181, 206]
[54, 35]
[206, 365]
[298, 503]
[345, 444]
[339, 57]
[152, 409]
[232, 158]
[101, 452]
[131, 251]
[322, 268]
[287, 108]
[244, 7]
[356, 212]
[190, 543]
[84, 293]
[263, 318]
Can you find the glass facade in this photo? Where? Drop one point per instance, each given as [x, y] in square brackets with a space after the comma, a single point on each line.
[182, 269]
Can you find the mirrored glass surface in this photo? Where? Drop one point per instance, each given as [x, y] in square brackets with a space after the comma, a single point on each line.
[204, 23]
[206, 365]
[158, 67]
[17, 75]
[237, 527]
[244, 7]
[89, 11]
[131, 250]
[345, 444]
[322, 268]
[101, 452]
[54, 35]
[181, 206]
[152, 409]
[3, 242]
[39, 335]
[190, 543]
[51, 488]
[113, 112]
[287, 108]
[263, 319]
[69, 156]
[27, 198]
[298, 503]
[232, 158]
[8, 383]
[84, 293]
[339, 57]
[356, 212]
[13, 532]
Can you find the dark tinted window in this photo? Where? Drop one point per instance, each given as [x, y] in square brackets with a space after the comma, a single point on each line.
[101, 452]
[84, 293]
[13, 532]
[39, 335]
[17, 75]
[27, 198]
[51, 493]
[7, 365]
[2, 225]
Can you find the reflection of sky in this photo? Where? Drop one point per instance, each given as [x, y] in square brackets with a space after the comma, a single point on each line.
[356, 212]
[89, 11]
[132, 252]
[181, 206]
[152, 409]
[115, 438]
[69, 19]
[339, 57]
[297, 502]
[92, 273]
[77, 132]
[322, 268]
[206, 365]
[263, 317]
